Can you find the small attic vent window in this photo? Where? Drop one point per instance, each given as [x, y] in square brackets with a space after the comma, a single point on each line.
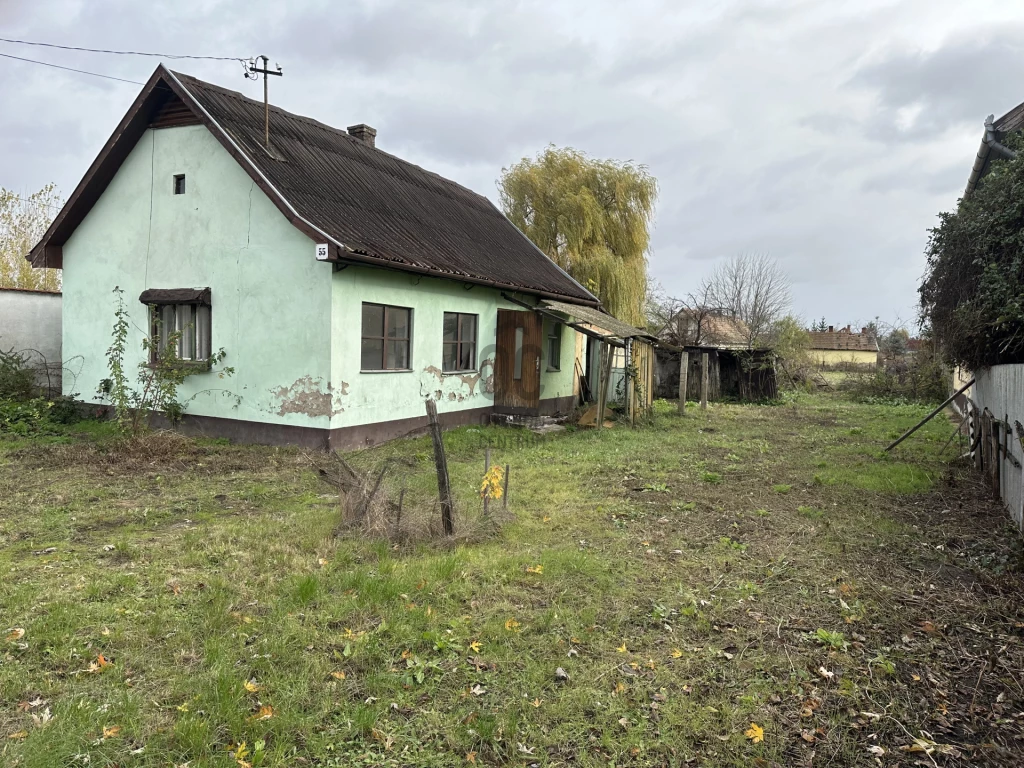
[179, 184]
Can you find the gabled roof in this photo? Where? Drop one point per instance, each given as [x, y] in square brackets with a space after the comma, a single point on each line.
[843, 341]
[369, 206]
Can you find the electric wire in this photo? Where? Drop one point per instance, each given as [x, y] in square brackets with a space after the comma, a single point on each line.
[121, 53]
[70, 69]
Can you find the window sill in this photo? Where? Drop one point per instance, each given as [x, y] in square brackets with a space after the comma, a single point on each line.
[552, 370]
[196, 366]
[387, 370]
[459, 373]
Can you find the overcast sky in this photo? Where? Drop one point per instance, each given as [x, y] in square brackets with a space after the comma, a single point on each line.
[827, 133]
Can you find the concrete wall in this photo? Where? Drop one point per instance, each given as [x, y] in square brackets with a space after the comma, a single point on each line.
[30, 323]
[838, 358]
[1000, 389]
[271, 299]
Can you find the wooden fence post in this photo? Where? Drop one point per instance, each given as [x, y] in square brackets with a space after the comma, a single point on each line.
[704, 381]
[606, 379]
[444, 490]
[684, 370]
[487, 468]
[504, 496]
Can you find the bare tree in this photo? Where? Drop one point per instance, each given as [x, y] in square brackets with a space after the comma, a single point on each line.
[683, 321]
[753, 289]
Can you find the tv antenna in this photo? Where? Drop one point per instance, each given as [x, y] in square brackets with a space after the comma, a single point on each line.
[253, 72]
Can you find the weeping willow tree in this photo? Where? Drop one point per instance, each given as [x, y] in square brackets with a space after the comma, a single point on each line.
[592, 217]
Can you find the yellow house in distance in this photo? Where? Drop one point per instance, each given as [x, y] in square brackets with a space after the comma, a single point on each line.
[844, 349]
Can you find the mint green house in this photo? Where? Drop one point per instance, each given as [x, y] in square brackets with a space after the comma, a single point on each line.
[345, 285]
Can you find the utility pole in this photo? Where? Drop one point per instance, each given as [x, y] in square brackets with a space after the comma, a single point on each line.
[254, 73]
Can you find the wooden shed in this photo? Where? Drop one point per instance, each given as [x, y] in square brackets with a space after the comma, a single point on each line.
[733, 374]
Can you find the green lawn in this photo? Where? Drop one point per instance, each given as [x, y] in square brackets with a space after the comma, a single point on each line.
[698, 580]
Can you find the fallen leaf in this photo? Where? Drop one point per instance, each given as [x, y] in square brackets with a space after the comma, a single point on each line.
[42, 718]
[755, 733]
[183, 707]
[676, 653]
[475, 646]
[536, 702]
[471, 757]
[535, 569]
[266, 712]
[478, 690]
[15, 634]
[251, 687]
[105, 632]
[808, 736]
[322, 561]
[101, 660]
[338, 675]
[876, 750]
[511, 625]
[622, 648]
[825, 673]
[18, 735]
[547, 518]
[109, 733]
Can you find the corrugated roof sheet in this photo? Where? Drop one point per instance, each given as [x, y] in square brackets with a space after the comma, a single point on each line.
[1011, 121]
[382, 206]
[595, 317]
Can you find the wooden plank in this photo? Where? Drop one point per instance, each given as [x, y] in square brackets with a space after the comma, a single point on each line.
[931, 415]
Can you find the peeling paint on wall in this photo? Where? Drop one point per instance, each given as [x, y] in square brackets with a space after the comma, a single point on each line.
[308, 396]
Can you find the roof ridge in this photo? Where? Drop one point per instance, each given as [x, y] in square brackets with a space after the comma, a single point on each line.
[331, 129]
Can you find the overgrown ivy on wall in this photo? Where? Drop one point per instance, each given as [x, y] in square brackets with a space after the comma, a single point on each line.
[972, 294]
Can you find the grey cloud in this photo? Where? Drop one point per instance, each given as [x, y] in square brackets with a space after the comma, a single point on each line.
[765, 124]
[960, 82]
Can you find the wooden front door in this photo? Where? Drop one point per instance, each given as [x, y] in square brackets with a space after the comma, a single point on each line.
[517, 362]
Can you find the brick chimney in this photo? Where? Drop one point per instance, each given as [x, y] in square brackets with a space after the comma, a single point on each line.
[864, 330]
[831, 329]
[364, 133]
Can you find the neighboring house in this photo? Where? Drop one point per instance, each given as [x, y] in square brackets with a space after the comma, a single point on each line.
[30, 325]
[843, 348]
[345, 285]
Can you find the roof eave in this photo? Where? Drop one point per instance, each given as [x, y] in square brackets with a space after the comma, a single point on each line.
[989, 144]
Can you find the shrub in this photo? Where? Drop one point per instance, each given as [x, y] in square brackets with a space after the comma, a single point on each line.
[918, 378]
[17, 380]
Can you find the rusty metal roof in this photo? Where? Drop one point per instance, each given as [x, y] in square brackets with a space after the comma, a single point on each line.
[843, 340]
[598, 320]
[369, 206]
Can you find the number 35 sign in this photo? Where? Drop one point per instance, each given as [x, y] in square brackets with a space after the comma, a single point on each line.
[322, 252]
